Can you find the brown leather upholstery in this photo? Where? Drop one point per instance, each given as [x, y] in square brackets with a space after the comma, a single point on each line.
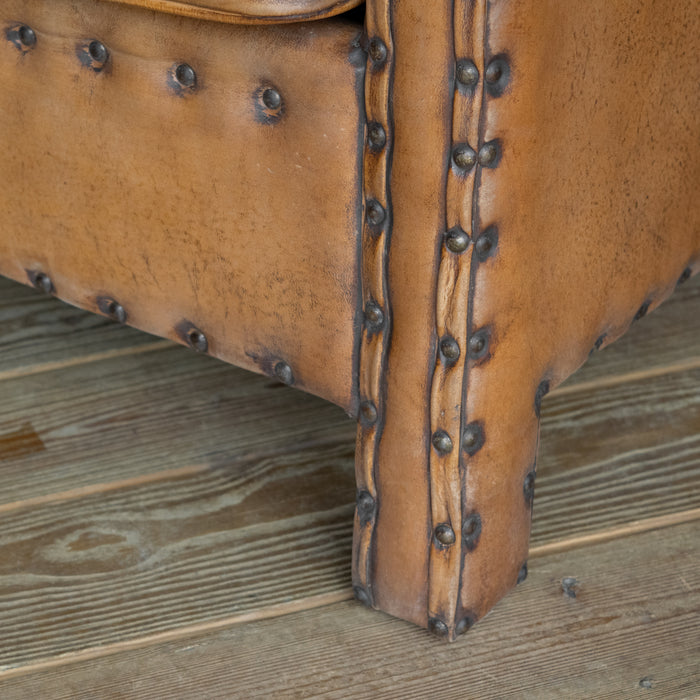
[193, 206]
[518, 186]
[583, 217]
[248, 11]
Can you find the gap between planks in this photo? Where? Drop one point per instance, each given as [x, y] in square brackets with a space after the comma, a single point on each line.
[317, 601]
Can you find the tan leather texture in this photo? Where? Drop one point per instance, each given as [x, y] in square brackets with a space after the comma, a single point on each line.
[248, 11]
[561, 143]
[431, 225]
[595, 202]
[228, 207]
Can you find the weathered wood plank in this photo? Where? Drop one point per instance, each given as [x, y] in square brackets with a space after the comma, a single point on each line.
[618, 454]
[37, 330]
[136, 415]
[631, 629]
[239, 537]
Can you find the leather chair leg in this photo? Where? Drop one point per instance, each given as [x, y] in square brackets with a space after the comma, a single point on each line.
[521, 229]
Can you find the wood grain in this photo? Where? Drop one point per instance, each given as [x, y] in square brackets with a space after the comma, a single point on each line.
[247, 534]
[633, 620]
[135, 415]
[39, 331]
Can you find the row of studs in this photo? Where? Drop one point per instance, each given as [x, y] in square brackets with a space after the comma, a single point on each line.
[376, 229]
[461, 255]
[497, 80]
[453, 533]
[642, 310]
[186, 331]
[182, 77]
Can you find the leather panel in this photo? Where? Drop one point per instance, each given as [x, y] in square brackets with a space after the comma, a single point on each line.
[595, 199]
[190, 206]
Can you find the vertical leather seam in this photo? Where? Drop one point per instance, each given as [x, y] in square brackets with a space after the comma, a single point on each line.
[375, 338]
[478, 30]
[453, 288]
[474, 264]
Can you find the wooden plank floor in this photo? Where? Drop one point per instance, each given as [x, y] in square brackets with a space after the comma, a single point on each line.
[173, 527]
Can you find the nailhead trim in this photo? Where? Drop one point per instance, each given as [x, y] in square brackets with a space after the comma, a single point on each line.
[376, 230]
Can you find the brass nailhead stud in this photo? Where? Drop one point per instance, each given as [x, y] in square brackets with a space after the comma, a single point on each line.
[488, 154]
[472, 438]
[438, 627]
[377, 51]
[197, 340]
[271, 98]
[116, 312]
[486, 243]
[374, 316]
[365, 506]
[43, 283]
[456, 240]
[467, 73]
[522, 574]
[542, 391]
[449, 348]
[362, 595]
[464, 157]
[478, 344]
[376, 136]
[374, 213]
[685, 276]
[27, 36]
[642, 311]
[442, 442]
[185, 75]
[471, 531]
[497, 75]
[98, 51]
[529, 487]
[445, 535]
[494, 71]
[465, 624]
[368, 413]
[283, 372]
[112, 308]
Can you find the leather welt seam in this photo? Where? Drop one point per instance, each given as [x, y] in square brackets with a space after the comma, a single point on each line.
[376, 314]
[474, 263]
[454, 286]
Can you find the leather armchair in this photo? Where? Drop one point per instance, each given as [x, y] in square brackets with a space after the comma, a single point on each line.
[427, 213]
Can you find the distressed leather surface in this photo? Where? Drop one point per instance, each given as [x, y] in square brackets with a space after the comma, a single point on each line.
[248, 11]
[592, 204]
[202, 207]
[197, 206]
[596, 203]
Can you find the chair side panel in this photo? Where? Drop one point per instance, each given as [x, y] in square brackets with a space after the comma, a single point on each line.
[594, 197]
[230, 205]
